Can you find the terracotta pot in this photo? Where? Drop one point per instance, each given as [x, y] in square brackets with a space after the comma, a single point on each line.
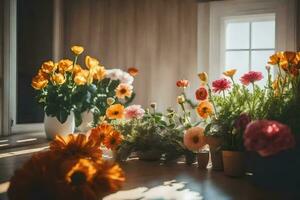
[215, 152]
[234, 163]
[203, 158]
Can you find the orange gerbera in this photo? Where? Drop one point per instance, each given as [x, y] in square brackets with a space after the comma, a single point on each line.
[205, 109]
[99, 133]
[133, 71]
[77, 146]
[115, 111]
[113, 140]
[109, 179]
[123, 90]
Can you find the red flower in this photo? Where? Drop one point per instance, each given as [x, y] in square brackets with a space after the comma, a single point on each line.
[221, 85]
[182, 83]
[268, 137]
[201, 94]
[251, 77]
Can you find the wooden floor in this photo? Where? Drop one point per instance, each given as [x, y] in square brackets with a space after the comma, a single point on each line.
[151, 179]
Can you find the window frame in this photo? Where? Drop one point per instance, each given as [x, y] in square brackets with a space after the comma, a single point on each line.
[9, 125]
[249, 19]
[285, 26]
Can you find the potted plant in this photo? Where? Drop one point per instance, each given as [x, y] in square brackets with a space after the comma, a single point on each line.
[278, 130]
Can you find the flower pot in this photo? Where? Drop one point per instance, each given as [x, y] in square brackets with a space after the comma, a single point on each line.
[215, 152]
[280, 171]
[190, 158]
[149, 155]
[54, 127]
[87, 119]
[234, 163]
[203, 158]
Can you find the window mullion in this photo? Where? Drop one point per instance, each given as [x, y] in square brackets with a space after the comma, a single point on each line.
[250, 44]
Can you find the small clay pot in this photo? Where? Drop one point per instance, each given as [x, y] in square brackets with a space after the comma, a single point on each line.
[234, 163]
[216, 160]
[203, 158]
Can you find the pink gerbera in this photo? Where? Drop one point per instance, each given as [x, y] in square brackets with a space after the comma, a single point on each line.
[134, 111]
[221, 85]
[251, 77]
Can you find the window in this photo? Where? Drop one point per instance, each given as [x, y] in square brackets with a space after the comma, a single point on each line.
[249, 41]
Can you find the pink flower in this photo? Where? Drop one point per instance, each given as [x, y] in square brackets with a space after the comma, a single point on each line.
[134, 111]
[193, 138]
[182, 83]
[221, 85]
[201, 94]
[251, 77]
[268, 137]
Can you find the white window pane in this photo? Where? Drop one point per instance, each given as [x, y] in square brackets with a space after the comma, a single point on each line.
[237, 60]
[259, 60]
[237, 35]
[263, 34]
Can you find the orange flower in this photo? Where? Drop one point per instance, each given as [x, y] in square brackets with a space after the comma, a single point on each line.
[133, 71]
[48, 67]
[76, 69]
[115, 111]
[58, 79]
[39, 82]
[77, 50]
[65, 65]
[81, 172]
[98, 72]
[123, 90]
[113, 140]
[182, 83]
[203, 77]
[274, 59]
[91, 62]
[205, 109]
[289, 56]
[81, 78]
[78, 146]
[230, 73]
[99, 133]
[109, 179]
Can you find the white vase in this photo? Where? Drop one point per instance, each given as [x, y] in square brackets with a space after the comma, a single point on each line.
[54, 127]
[87, 119]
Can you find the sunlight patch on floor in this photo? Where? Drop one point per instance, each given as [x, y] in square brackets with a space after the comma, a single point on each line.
[170, 190]
[21, 152]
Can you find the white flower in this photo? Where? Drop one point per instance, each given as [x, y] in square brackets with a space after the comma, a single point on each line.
[126, 78]
[114, 74]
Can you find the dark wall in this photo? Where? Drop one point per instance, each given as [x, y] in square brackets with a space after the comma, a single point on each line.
[34, 43]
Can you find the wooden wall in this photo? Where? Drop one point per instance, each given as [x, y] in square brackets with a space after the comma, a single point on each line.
[157, 36]
[1, 59]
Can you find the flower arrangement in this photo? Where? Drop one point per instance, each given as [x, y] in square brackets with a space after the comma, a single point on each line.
[66, 86]
[73, 168]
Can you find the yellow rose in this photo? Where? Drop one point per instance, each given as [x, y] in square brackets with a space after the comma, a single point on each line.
[98, 72]
[91, 62]
[39, 82]
[48, 67]
[81, 78]
[203, 77]
[230, 72]
[65, 65]
[76, 69]
[58, 79]
[77, 50]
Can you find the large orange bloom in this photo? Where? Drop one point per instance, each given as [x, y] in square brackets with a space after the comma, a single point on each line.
[123, 90]
[133, 71]
[205, 109]
[65, 65]
[98, 72]
[99, 133]
[58, 79]
[78, 146]
[48, 67]
[91, 62]
[113, 140]
[115, 111]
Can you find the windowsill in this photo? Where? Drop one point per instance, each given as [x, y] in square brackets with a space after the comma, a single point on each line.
[23, 139]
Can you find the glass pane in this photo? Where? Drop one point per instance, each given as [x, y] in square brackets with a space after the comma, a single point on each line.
[263, 34]
[237, 60]
[34, 43]
[237, 35]
[259, 61]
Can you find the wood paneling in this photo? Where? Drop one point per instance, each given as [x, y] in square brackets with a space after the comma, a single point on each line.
[1, 59]
[157, 36]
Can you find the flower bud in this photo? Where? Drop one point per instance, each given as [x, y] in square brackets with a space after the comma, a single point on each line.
[180, 99]
[153, 105]
[110, 101]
